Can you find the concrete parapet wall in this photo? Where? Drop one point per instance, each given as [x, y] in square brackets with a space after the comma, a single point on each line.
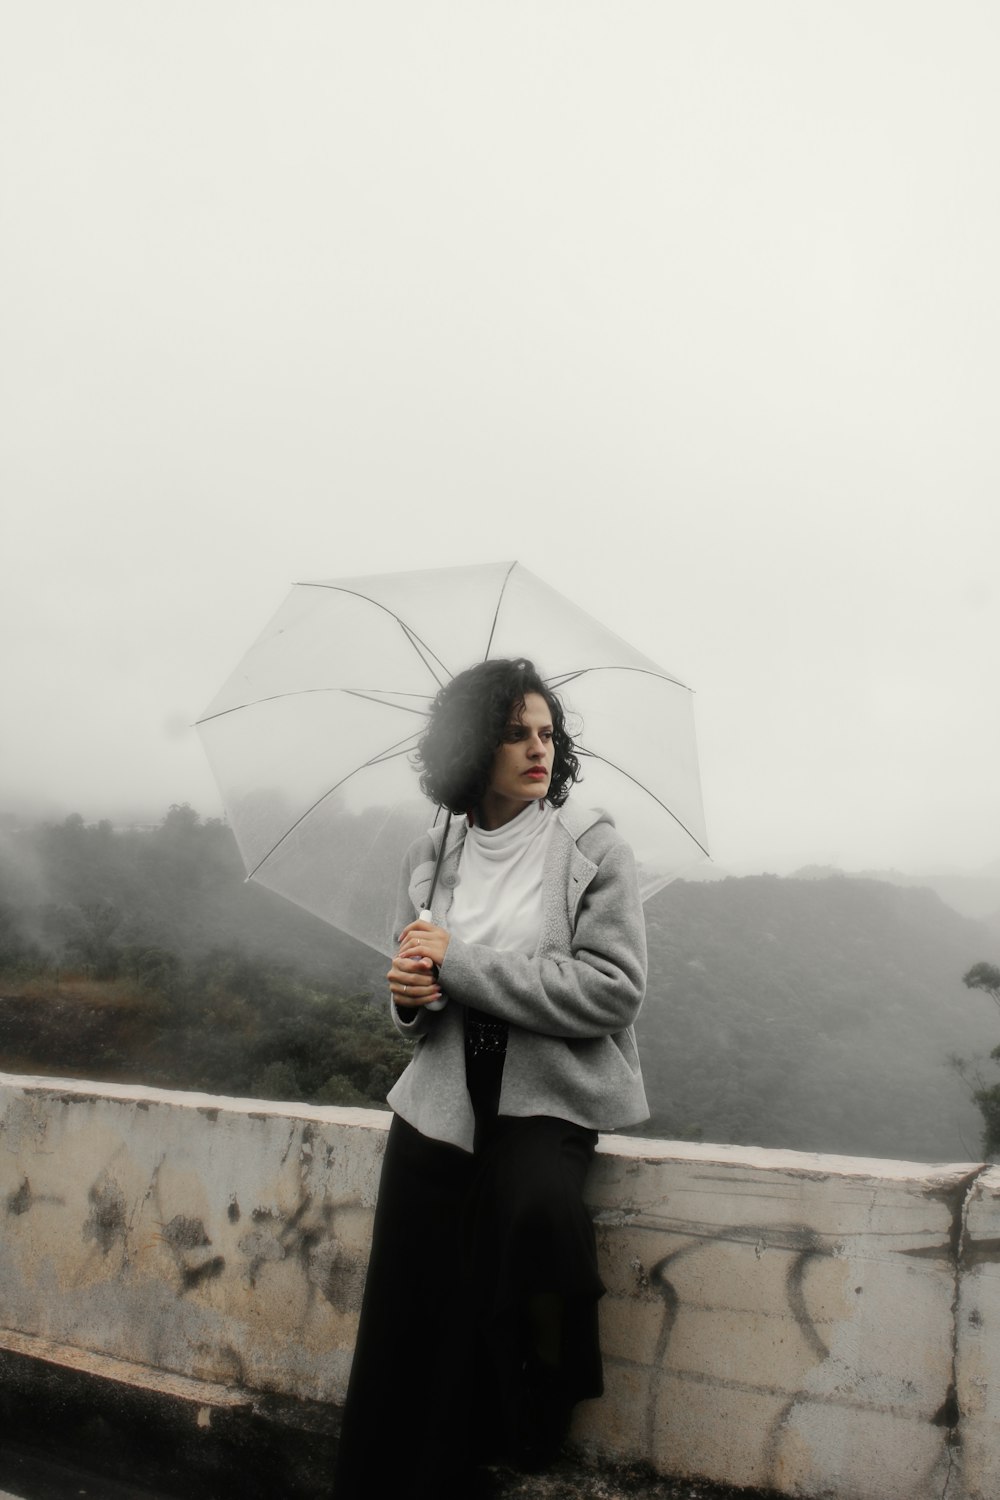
[978, 1338]
[782, 1320]
[823, 1326]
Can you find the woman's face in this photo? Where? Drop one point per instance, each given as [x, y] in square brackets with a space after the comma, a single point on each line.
[522, 766]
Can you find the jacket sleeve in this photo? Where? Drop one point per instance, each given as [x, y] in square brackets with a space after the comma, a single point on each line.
[410, 1021]
[595, 990]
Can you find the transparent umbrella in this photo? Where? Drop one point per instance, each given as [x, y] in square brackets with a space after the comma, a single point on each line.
[311, 738]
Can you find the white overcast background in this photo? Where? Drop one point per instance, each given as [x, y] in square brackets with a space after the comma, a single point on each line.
[693, 308]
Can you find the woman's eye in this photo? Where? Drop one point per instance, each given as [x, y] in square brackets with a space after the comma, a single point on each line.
[518, 732]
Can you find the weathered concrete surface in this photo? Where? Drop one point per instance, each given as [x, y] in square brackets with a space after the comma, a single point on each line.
[773, 1319]
[223, 1239]
[978, 1339]
[777, 1319]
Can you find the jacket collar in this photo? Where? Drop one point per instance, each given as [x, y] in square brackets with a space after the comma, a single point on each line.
[575, 818]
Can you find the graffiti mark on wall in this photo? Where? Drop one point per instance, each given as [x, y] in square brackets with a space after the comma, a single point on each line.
[308, 1235]
[799, 1242]
[22, 1200]
[107, 1222]
[187, 1238]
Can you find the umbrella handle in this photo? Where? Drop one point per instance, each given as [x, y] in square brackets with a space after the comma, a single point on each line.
[425, 916]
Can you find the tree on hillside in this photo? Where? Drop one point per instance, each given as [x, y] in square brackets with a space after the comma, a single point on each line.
[985, 977]
[87, 935]
[140, 954]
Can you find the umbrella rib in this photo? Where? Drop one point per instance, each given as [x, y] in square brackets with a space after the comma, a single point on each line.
[301, 693]
[384, 755]
[593, 755]
[390, 753]
[371, 697]
[561, 678]
[271, 698]
[496, 612]
[418, 645]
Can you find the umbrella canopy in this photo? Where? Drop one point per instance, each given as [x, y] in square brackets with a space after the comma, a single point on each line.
[312, 736]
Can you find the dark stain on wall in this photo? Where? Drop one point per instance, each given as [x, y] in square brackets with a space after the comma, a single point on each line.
[795, 1292]
[21, 1201]
[982, 1252]
[183, 1233]
[106, 1221]
[24, 1198]
[947, 1414]
[192, 1276]
[799, 1241]
[944, 1252]
[277, 1237]
[185, 1238]
[307, 1235]
[337, 1273]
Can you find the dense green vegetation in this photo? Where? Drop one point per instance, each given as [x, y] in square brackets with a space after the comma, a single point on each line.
[142, 956]
[814, 1013]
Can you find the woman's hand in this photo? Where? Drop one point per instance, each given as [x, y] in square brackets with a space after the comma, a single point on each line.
[413, 981]
[424, 940]
[413, 978]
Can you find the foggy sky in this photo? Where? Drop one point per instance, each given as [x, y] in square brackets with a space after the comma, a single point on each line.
[691, 308]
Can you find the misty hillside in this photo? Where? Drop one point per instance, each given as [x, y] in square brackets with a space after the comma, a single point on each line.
[819, 1012]
[815, 1013]
[180, 885]
[971, 895]
[141, 956]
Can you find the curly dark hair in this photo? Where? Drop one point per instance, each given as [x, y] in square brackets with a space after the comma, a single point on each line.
[468, 721]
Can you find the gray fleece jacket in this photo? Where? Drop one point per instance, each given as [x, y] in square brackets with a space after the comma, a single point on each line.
[570, 1007]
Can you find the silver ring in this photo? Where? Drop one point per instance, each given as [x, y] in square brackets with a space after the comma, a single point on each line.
[405, 988]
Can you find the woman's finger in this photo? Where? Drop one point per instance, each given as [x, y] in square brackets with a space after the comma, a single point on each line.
[418, 926]
[415, 978]
[412, 950]
[409, 983]
[407, 995]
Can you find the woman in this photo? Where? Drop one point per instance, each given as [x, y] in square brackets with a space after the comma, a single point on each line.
[479, 1327]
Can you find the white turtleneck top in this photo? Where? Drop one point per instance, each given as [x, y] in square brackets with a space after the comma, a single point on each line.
[498, 898]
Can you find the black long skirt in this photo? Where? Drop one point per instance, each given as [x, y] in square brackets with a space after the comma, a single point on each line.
[461, 1243]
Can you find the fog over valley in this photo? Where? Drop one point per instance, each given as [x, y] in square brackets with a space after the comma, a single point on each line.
[819, 1012]
[691, 310]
